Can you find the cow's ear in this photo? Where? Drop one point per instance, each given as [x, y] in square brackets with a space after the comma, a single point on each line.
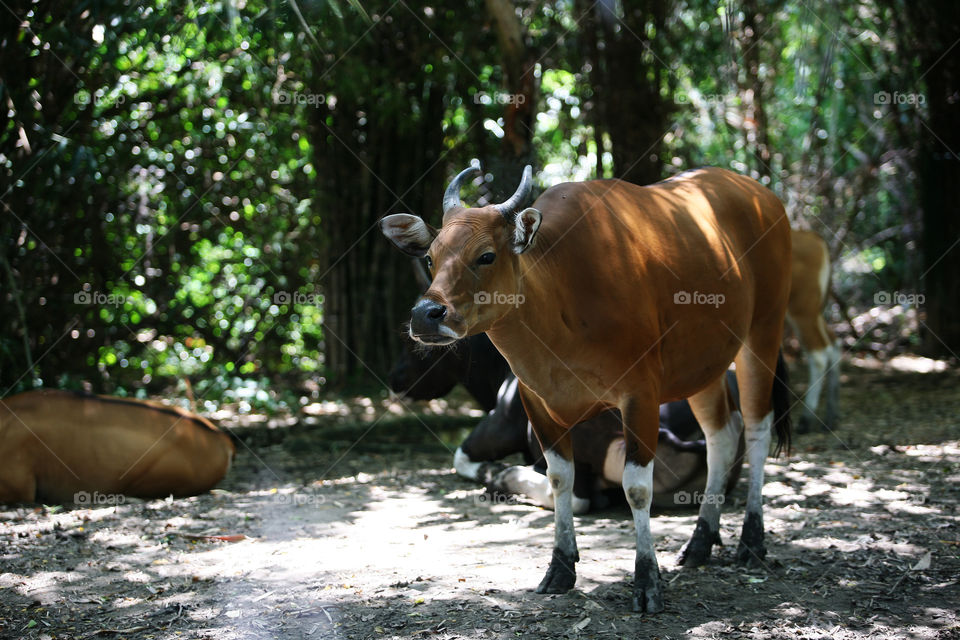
[408, 233]
[525, 228]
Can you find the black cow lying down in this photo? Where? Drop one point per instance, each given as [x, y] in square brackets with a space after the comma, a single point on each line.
[680, 469]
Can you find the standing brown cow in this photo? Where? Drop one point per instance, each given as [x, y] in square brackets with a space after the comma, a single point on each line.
[607, 294]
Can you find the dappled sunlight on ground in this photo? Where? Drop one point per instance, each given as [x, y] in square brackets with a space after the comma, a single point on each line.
[315, 534]
[407, 552]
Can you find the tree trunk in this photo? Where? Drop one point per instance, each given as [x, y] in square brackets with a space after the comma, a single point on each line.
[368, 286]
[935, 33]
[627, 79]
[520, 99]
[755, 122]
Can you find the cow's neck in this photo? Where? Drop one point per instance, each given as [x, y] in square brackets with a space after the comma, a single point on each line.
[541, 350]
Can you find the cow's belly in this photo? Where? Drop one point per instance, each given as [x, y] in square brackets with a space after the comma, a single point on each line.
[695, 357]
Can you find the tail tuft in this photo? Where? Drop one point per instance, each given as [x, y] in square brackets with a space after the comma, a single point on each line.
[781, 408]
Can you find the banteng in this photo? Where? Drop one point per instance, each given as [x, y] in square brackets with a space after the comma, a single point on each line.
[606, 294]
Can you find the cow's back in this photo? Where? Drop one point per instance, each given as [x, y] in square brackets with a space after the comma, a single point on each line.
[706, 221]
[621, 265]
[70, 443]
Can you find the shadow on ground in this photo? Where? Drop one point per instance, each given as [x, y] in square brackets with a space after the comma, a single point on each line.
[330, 536]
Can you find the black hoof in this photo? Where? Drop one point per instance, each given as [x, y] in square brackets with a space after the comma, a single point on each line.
[562, 573]
[698, 549]
[751, 551]
[647, 600]
[809, 423]
[647, 594]
[751, 556]
[830, 421]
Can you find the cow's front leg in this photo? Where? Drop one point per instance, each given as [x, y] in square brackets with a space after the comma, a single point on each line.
[722, 426]
[641, 428]
[558, 452]
[562, 573]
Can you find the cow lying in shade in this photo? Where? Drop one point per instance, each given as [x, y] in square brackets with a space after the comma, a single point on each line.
[678, 480]
[58, 445]
[598, 443]
[425, 374]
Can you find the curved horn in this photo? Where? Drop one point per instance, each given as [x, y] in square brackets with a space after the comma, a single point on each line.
[508, 208]
[451, 197]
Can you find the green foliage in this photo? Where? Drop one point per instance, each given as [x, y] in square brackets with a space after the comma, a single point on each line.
[189, 188]
[189, 202]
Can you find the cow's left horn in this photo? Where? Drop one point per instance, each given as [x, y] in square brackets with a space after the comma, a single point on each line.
[451, 197]
[508, 208]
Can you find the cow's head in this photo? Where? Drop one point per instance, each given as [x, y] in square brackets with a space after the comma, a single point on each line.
[473, 259]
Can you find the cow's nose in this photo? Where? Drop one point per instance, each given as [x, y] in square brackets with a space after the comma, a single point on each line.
[425, 317]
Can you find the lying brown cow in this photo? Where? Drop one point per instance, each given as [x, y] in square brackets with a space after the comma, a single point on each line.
[58, 445]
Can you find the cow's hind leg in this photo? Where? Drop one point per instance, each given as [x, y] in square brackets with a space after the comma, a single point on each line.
[817, 362]
[823, 356]
[764, 401]
[641, 422]
[831, 414]
[722, 427]
[558, 452]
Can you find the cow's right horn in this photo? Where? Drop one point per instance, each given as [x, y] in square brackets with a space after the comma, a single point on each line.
[451, 197]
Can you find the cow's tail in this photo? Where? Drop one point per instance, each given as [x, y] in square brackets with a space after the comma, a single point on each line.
[781, 407]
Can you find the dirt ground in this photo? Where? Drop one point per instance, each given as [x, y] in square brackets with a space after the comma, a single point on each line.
[365, 532]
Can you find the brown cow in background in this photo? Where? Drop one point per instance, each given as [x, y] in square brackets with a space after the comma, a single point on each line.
[810, 286]
[60, 446]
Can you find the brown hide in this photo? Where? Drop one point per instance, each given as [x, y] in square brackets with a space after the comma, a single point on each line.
[599, 317]
[809, 287]
[606, 294]
[55, 444]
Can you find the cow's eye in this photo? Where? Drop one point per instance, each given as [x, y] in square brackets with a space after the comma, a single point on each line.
[428, 261]
[486, 258]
